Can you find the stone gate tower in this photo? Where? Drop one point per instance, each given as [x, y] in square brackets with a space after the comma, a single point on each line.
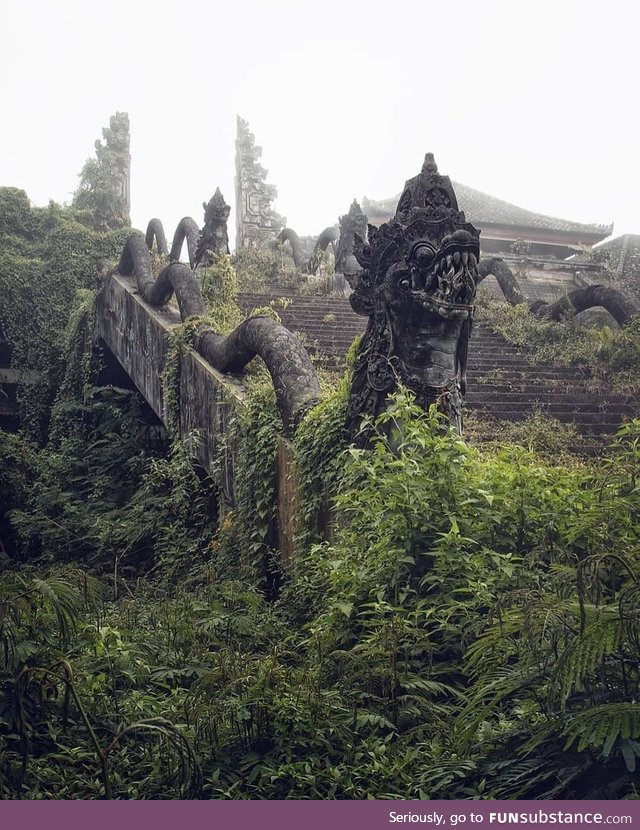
[257, 223]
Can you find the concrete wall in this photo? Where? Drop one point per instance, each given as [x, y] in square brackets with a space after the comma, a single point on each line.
[136, 334]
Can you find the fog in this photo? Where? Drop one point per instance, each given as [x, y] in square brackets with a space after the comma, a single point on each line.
[533, 103]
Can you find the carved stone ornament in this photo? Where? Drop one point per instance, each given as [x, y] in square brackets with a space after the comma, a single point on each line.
[257, 223]
[417, 286]
[354, 222]
[214, 237]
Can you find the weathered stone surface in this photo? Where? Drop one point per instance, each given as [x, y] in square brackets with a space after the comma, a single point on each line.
[134, 325]
[202, 245]
[209, 405]
[352, 223]
[621, 308]
[257, 224]
[213, 238]
[294, 378]
[307, 251]
[417, 286]
[155, 232]
[136, 334]
[189, 230]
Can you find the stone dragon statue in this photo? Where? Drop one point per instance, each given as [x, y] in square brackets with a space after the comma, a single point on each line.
[621, 307]
[292, 372]
[417, 286]
[352, 223]
[202, 245]
[310, 265]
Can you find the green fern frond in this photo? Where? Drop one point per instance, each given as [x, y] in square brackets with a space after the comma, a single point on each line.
[64, 599]
[585, 653]
[180, 761]
[495, 645]
[500, 685]
[629, 609]
[602, 726]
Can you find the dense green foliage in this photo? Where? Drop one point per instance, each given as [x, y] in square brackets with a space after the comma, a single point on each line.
[260, 267]
[454, 624]
[96, 194]
[99, 191]
[470, 630]
[46, 256]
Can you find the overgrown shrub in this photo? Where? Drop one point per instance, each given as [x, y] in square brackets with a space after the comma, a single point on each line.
[455, 624]
[610, 355]
[257, 268]
[468, 630]
[48, 254]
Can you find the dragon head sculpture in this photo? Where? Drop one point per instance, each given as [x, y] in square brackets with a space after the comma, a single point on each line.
[352, 223]
[417, 286]
[213, 238]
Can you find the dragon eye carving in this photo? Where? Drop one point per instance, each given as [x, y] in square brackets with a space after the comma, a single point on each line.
[423, 254]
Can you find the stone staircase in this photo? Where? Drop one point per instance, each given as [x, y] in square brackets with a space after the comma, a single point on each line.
[503, 383]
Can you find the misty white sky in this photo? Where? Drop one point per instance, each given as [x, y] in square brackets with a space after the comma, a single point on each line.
[533, 102]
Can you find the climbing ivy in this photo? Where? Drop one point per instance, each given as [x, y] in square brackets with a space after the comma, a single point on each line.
[259, 430]
[457, 623]
[47, 255]
[220, 290]
[319, 444]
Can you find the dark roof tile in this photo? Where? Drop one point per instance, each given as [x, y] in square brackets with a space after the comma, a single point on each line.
[483, 209]
[624, 257]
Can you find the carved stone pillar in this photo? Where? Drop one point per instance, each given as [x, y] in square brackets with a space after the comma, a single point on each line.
[257, 223]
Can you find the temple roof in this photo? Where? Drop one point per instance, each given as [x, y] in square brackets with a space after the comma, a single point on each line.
[482, 209]
[624, 255]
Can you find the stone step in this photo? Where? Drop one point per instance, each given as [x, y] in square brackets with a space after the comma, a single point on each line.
[503, 368]
[528, 373]
[607, 421]
[584, 414]
[504, 383]
[310, 310]
[579, 404]
[508, 360]
[576, 390]
[341, 317]
[595, 430]
[321, 329]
